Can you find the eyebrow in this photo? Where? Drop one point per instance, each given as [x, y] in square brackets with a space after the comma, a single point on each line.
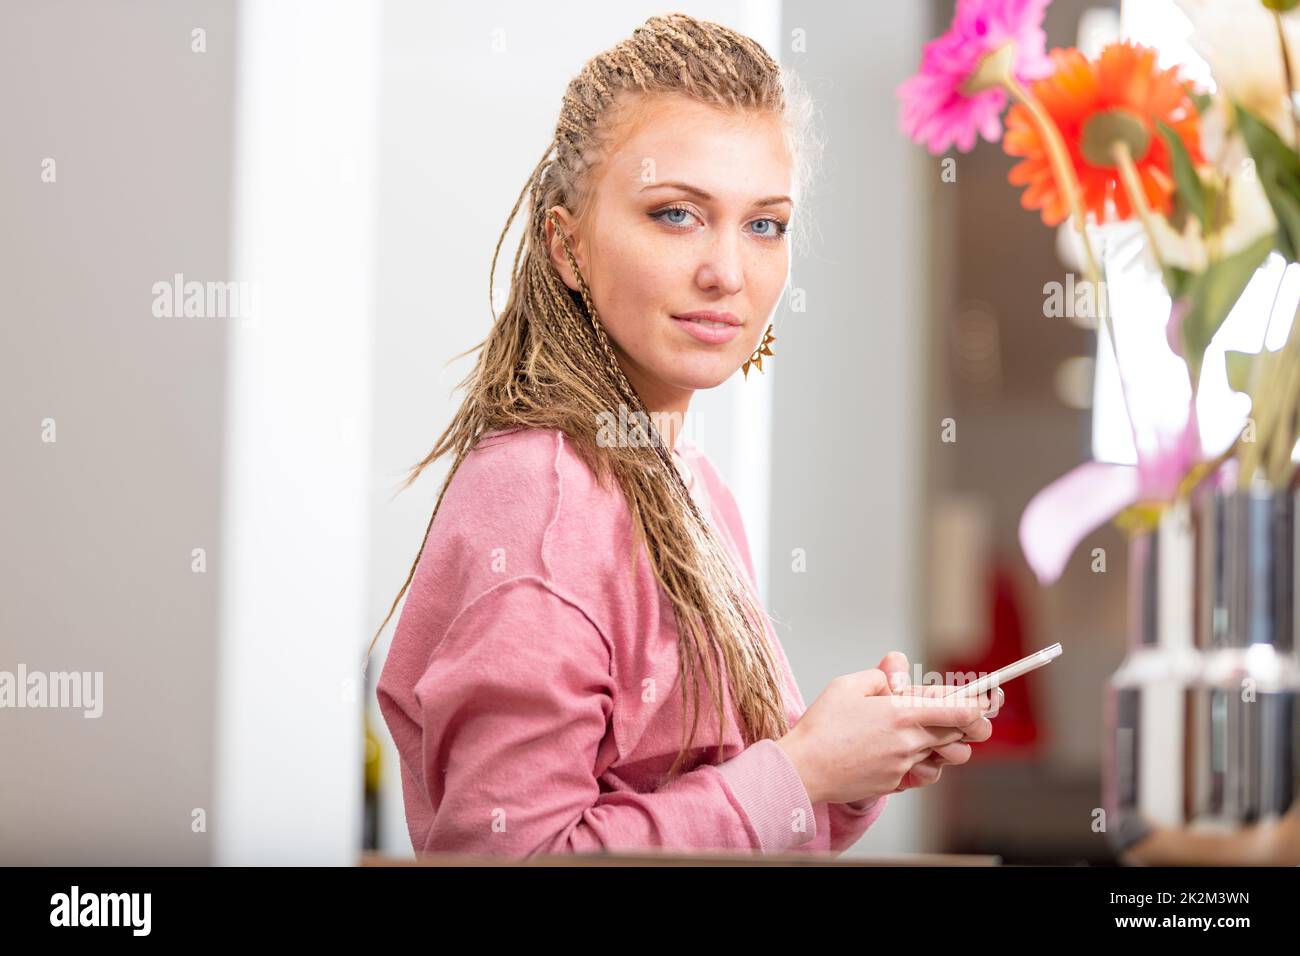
[696, 191]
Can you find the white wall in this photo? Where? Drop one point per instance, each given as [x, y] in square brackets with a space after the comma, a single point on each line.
[847, 476]
[99, 525]
[196, 532]
[295, 544]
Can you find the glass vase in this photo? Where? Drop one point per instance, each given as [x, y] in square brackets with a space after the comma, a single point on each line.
[1202, 747]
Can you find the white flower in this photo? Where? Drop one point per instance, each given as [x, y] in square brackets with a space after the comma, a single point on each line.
[1248, 216]
[1219, 140]
[1182, 250]
[1249, 213]
[1239, 39]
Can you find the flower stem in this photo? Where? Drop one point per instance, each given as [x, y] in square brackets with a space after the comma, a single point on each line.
[1274, 402]
[1068, 183]
[1062, 169]
[1137, 197]
[1290, 78]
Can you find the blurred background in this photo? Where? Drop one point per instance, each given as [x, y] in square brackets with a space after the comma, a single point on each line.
[240, 243]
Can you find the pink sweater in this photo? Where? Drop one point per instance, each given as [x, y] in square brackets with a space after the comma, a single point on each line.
[530, 682]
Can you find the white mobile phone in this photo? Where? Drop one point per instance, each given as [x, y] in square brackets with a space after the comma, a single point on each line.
[1008, 673]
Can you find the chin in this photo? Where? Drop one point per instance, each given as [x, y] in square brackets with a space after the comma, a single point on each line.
[710, 376]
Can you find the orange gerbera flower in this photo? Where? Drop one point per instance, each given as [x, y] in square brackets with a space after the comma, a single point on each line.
[1120, 95]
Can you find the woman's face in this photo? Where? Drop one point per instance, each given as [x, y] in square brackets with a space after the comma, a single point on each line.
[688, 214]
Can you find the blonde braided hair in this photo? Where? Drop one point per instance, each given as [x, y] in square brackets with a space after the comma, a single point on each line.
[548, 363]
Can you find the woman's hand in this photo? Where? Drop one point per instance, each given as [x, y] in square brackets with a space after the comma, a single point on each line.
[860, 738]
[895, 665]
[929, 770]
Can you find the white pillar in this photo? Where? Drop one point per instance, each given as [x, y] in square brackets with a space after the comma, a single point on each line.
[294, 610]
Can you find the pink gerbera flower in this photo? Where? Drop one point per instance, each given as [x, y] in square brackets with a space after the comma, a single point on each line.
[939, 108]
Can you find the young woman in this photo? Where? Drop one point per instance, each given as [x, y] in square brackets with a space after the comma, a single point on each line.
[582, 663]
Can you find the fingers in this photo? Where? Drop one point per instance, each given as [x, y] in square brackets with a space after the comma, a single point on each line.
[953, 753]
[940, 743]
[978, 732]
[869, 683]
[930, 769]
[923, 772]
[929, 690]
[999, 698]
[918, 712]
[894, 666]
[944, 690]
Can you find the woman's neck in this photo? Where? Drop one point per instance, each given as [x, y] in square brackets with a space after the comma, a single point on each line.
[666, 404]
[669, 422]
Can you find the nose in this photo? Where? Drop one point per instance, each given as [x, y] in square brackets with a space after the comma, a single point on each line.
[722, 271]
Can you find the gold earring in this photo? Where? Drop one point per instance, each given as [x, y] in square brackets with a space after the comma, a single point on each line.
[764, 348]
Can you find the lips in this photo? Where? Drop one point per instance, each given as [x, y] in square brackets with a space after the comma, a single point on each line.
[709, 316]
[713, 328]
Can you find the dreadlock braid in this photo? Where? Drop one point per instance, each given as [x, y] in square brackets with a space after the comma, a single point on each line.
[547, 362]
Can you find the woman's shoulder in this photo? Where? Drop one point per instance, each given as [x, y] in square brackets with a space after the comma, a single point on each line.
[528, 490]
[521, 504]
[505, 483]
[507, 464]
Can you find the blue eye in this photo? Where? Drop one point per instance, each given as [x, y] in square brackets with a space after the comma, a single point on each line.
[777, 230]
[663, 214]
[677, 216]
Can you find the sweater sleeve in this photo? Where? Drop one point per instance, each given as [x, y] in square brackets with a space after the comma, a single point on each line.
[516, 703]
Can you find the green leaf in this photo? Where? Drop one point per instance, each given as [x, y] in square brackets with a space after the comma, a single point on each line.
[1238, 365]
[1202, 101]
[1278, 169]
[1213, 293]
[1190, 188]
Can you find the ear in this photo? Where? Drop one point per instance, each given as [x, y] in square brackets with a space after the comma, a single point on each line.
[555, 248]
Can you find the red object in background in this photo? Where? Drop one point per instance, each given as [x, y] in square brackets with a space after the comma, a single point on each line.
[1015, 728]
